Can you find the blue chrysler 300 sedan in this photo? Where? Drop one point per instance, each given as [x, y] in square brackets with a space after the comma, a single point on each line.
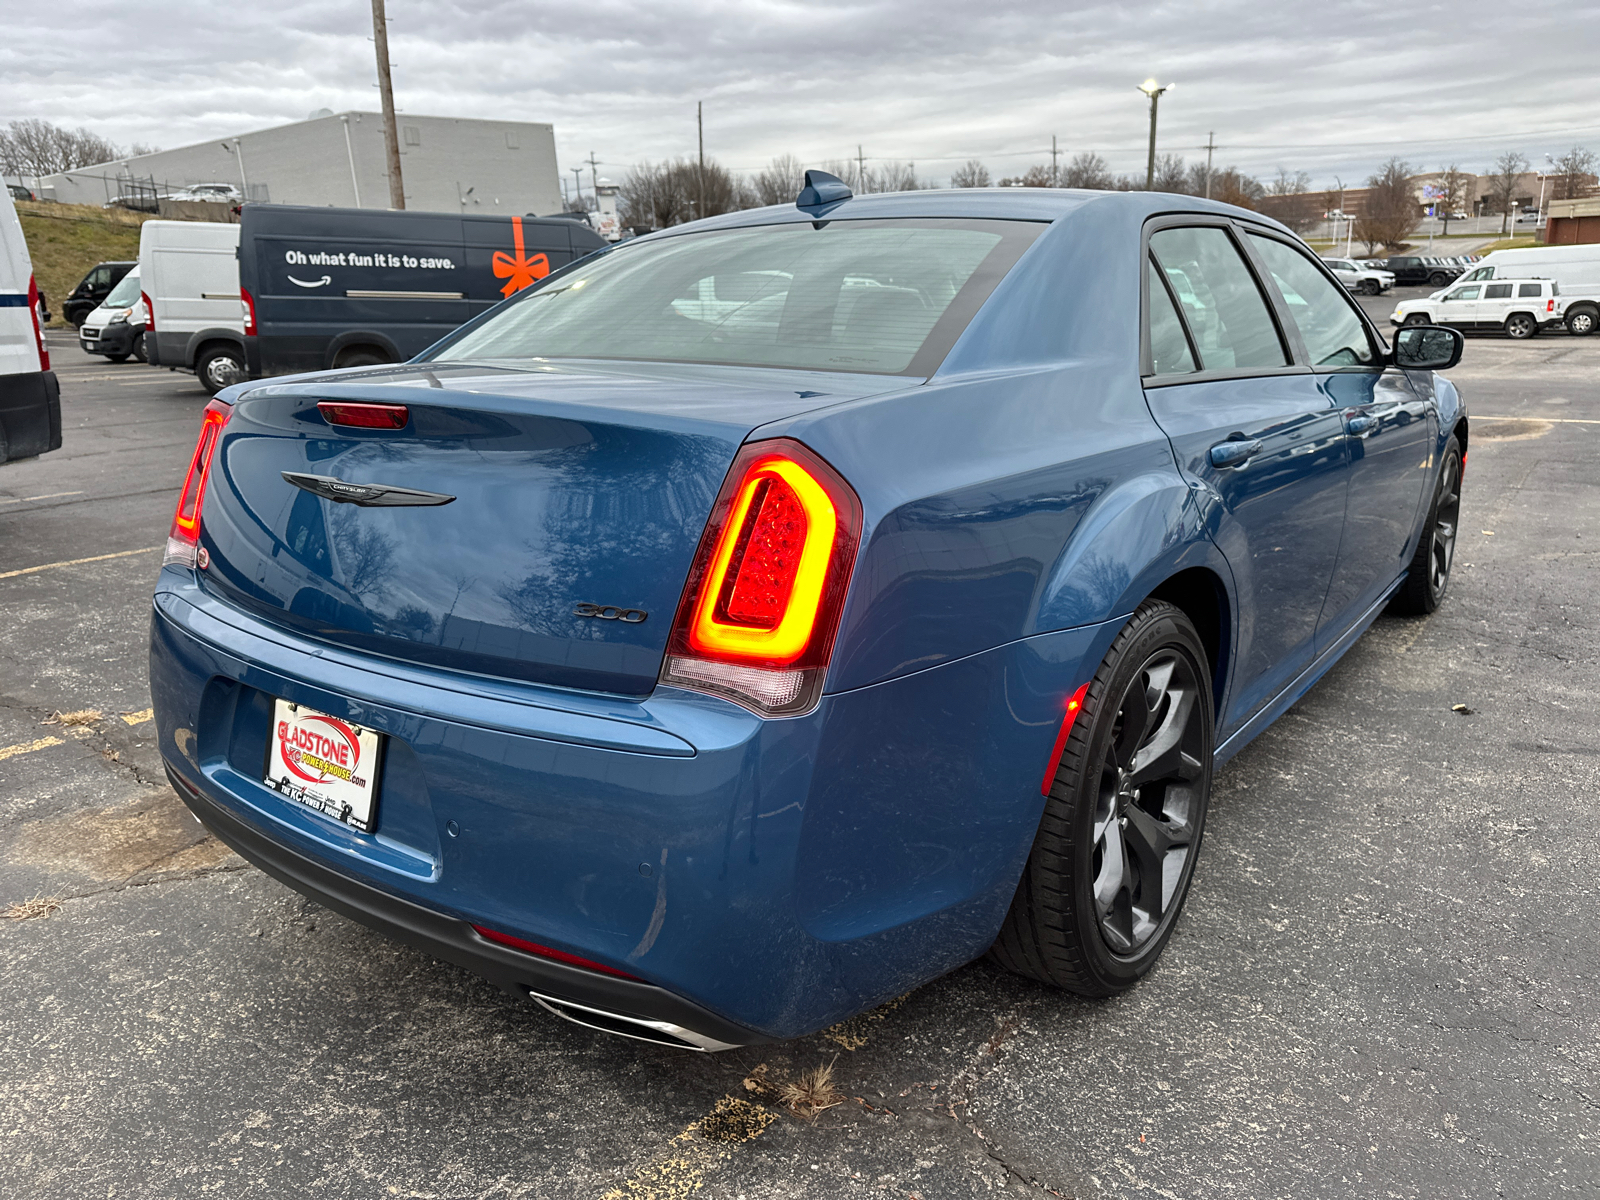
[758, 619]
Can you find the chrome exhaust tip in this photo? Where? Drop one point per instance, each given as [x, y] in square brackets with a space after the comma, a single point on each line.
[662, 1033]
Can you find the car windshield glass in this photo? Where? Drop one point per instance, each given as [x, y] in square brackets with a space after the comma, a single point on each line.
[126, 293]
[881, 297]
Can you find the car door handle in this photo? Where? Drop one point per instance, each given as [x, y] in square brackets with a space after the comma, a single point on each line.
[1360, 424]
[1234, 453]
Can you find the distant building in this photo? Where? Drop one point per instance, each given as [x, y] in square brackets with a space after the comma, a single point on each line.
[1573, 222]
[447, 164]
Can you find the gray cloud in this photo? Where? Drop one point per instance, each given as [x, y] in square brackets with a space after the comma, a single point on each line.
[1332, 88]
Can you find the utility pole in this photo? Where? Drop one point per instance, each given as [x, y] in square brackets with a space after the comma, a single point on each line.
[1154, 90]
[594, 175]
[861, 169]
[391, 136]
[1211, 145]
[700, 178]
[1055, 178]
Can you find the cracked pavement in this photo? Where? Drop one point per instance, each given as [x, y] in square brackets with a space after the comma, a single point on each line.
[1383, 985]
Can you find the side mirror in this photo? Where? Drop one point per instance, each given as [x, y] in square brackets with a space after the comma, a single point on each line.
[1428, 347]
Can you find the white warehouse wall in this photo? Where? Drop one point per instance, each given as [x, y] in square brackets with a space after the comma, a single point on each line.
[510, 166]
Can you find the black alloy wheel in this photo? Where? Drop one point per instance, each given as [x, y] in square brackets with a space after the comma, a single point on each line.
[1521, 325]
[1115, 851]
[1369, 287]
[1438, 279]
[1429, 574]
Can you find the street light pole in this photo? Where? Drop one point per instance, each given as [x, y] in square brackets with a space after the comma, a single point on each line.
[1154, 90]
[238, 152]
[391, 136]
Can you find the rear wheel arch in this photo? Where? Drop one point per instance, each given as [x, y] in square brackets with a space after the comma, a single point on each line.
[1203, 597]
[357, 342]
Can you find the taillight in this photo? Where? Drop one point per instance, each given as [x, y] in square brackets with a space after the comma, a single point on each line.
[561, 956]
[1551, 307]
[38, 329]
[364, 416]
[1068, 720]
[758, 616]
[183, 542]
[247, 303]
[149, 313]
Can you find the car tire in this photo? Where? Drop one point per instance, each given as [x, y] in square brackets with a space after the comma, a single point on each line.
[1581, 323]
[1429, 575]
[138, 348]
[360, 358]
[1369, 287]
[1418, 319]
[1438, 279]
[1520, 326]
[118, 358]
[1083, 918]
[219, 367]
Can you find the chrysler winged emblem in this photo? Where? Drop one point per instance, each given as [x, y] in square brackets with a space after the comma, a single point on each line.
[368, 495]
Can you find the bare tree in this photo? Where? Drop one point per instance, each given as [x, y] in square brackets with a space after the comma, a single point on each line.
[1232, 186]
[1035, 176]
[781, 182]
[1172, 174]
[1391, 212]
[1503, 179]
[34, 147]
[1087, 170]
[1452, 188]
[970, 174]
[670, 193]
[1574, 174]
[1289, 199]
[894, 177]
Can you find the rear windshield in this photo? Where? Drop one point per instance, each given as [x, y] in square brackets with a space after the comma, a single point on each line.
[125, 294]
[882, 297]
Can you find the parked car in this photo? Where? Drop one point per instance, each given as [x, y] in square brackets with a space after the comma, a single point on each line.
[116, 329]
[1519, 308]
[18, 192]
[1411, 269]
[1527, 216]
[93, 289]
[1575, 268]
[30, 397]
[349, 287]
[1359, 278]
[189, 272]
[711, 676]
[215, 193]
[1458, 215]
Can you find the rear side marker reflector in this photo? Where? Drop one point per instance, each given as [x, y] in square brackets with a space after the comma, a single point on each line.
[758, 615]
[1068, 720]
[183, 540]
[561, 956]
[364, 416]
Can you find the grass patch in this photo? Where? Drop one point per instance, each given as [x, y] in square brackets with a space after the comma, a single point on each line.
[1511, 243]
[813, 1093]
[28, 910]
[65, 240]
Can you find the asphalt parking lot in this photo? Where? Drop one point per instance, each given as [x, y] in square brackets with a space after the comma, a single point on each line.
[1384, 984]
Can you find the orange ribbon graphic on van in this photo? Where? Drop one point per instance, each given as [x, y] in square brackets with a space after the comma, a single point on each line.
[521, 271]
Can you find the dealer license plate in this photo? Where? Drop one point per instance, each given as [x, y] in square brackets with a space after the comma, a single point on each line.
[324, 763]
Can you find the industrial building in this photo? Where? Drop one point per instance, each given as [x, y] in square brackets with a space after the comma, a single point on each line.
[448, 164]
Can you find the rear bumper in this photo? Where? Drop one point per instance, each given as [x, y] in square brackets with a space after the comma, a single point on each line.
[30, 414]
[641, 1009]
[763, 878]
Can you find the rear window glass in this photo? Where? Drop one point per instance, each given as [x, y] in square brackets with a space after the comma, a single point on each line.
[1527, 289]
[881, 297]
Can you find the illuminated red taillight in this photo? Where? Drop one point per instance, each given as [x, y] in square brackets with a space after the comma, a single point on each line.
[364, 416]
[1550, 307]
[248, 303]
[183, 541]
[149, 313]
[1068, 720]
[758, 616]
[561, 956]
[38, 329]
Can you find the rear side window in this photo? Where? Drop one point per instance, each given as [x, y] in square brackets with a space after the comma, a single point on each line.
[1169, 346]
[1227, 315]
[1524, 290]
[881, 297]
[1332, 331]
[1502, 291]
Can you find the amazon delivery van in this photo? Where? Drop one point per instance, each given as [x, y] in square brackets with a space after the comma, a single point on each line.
[346, 287]
[30, 400]
[189, 274]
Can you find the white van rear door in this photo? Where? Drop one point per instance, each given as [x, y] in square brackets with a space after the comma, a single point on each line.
[19, 348]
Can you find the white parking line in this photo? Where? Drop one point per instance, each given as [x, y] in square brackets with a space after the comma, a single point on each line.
[73, 562]
[1549, 420]
[46, 496]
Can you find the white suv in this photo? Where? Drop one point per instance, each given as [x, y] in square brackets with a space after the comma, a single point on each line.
[1369, 281]
[1518, 307]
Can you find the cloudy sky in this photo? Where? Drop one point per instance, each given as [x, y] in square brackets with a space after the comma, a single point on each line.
[1331, 87]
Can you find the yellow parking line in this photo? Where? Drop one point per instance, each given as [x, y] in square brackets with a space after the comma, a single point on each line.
[73, 562]
[139, 718]
[28, 747]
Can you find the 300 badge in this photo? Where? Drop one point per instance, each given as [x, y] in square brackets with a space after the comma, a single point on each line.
[323, 763]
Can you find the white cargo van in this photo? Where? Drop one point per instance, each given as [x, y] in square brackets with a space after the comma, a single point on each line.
[1575, 268]
[30, 399]
[189, 272]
